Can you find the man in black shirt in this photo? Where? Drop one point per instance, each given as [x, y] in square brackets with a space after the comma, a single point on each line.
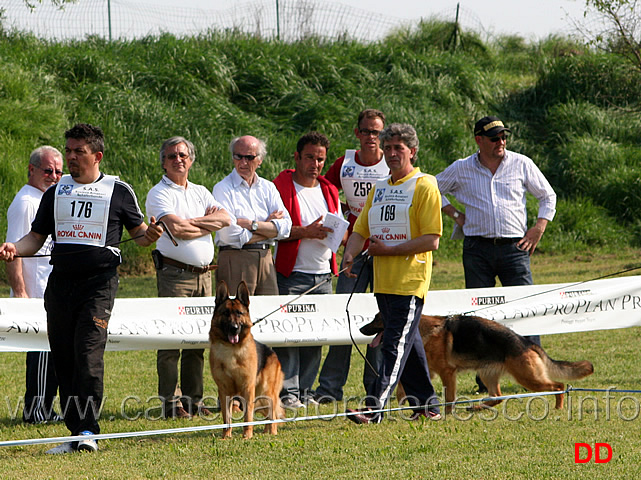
[84, 214]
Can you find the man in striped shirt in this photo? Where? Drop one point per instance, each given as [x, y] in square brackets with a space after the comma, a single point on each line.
[492, 185]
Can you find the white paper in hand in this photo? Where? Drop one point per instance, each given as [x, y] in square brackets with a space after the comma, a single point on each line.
[339, 225]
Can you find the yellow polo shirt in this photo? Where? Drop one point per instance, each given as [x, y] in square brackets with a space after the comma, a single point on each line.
[408, 275]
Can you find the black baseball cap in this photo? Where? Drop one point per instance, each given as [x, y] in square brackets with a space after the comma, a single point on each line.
[490, 127]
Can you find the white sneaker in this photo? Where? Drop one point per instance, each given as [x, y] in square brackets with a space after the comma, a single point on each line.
[292, 402]
[88, 445]
[311, 402]
[66, 447]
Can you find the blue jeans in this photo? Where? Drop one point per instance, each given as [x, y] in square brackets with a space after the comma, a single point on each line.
[300, 364]
[333, 375]
[483, 262]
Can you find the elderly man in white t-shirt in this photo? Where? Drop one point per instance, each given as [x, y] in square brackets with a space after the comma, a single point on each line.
[190, 214]
[28, 277]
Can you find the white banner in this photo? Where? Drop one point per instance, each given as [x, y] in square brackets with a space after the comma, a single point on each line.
[169, 323]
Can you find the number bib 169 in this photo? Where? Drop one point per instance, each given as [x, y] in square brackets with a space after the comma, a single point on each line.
[389, 214]
[82, 211]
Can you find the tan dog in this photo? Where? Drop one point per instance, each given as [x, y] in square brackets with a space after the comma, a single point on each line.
[459, 342]
[242, 367]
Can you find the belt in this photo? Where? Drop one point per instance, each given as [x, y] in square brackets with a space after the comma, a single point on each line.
[251, 246]
[497, 241]
[189, 268]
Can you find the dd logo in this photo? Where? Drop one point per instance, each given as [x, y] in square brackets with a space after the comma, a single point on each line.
[588, 453]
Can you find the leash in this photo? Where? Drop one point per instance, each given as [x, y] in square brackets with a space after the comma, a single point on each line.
[349, 321]
[309, 290]
[620, 272]
[161, 223]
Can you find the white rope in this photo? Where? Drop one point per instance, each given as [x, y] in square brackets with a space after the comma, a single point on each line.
[202, 428]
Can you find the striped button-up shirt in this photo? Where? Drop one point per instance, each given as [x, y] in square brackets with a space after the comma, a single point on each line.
[495, 204]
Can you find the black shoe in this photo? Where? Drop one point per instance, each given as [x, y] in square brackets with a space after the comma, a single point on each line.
[481, 386]
[324, 399]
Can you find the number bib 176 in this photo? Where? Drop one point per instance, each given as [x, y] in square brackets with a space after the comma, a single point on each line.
[82, 211]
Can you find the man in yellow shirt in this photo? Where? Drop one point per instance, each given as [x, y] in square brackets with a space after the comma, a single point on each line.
[402, 219]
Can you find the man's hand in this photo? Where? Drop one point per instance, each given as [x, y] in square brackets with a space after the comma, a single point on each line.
[8, 251]
[154, 231]
[277, 215]
[531, 240]
[532, 237]
[316, 229]
[377, 247]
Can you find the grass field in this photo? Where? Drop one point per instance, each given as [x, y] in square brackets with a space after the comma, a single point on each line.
[522, 439]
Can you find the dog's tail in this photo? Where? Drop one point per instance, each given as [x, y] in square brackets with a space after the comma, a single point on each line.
[564, 371]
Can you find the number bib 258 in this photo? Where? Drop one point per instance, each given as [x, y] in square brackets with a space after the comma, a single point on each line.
[82, 210]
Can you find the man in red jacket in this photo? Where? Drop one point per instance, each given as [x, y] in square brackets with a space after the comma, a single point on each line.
[303, 260]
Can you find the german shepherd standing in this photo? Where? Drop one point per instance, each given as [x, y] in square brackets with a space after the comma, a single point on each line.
[459, 342]
[242, 367]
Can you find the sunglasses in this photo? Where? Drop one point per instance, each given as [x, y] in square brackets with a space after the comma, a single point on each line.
[174, 156]
[50, 171]
[366, 132]
[497, 138]
[239, 157]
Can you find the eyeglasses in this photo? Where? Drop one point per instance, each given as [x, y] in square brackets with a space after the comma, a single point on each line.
[498, 137]
[174, 156]
[50, 171]
[239, 157]
[366, 132]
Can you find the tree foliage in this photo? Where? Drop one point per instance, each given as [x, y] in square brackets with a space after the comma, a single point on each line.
[615, 25]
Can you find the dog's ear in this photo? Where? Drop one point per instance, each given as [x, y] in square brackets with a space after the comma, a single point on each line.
[242, 293]
[222, 292]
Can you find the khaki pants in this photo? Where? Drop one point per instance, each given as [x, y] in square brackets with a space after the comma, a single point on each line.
[175, 282]
[255, 267]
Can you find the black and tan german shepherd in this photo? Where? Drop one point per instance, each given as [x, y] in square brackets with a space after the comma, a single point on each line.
[459, 342]
[242, 367]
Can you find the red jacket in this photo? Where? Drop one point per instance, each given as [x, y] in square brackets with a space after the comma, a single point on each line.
[288, 250]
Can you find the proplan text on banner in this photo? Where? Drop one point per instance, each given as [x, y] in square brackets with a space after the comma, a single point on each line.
[169, 323]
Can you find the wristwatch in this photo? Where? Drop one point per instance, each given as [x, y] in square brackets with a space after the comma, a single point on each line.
[254, 226]
[455, 215]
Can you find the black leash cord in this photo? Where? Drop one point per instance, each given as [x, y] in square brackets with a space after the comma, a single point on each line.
[309, 290]
[171, 237]
[631, 269]
[349, 322]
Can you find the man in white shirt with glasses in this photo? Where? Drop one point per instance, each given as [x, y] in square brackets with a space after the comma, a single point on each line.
[244, 248]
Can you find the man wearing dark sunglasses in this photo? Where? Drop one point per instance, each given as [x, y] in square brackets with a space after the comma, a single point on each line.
[183, 267]
[28, 277]
[492, 184]
[244, 248]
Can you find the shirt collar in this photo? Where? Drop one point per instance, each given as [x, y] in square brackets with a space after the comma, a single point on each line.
[237, 180]
[170, 183]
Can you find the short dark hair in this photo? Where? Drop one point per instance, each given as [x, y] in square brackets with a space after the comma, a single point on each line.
[91, 134]
[312, 138]
[370, 113]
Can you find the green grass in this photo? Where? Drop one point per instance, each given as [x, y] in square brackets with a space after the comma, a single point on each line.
[573, 110]
[525, 439]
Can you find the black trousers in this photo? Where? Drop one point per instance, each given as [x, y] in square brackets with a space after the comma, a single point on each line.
[42, 387]
[78, 312]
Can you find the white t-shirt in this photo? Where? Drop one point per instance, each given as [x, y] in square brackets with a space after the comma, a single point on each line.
[313, 255]
[22, 211]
